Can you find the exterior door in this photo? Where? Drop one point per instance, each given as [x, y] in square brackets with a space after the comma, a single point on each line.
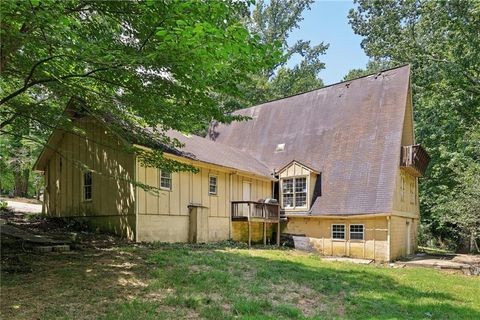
[246, 192]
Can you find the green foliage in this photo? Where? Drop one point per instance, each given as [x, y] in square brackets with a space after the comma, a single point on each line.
[371, 68]
[160, 64]
[273, 21]
[3, 205]
[440, 40]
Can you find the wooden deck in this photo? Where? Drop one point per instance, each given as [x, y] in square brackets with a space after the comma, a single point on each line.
[252, 211]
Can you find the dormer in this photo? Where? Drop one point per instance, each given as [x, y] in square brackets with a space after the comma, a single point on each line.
[297, 184]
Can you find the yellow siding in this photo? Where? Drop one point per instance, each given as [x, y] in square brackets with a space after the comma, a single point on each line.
[399, 236]
[318, 230]
[164, 216]
[112, 204]
[405, 199]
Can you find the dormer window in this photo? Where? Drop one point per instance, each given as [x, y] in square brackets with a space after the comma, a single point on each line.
[280, 147]
[296, 183]
[294, 192]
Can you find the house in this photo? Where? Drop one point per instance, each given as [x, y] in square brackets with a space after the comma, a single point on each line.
[342, 162]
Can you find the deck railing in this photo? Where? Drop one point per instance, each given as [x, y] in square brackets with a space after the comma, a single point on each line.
[255, 210]
[414, 159]
[252, 211]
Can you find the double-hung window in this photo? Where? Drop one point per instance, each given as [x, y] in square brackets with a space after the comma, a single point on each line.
[356, 232]
[165, 180]
[338, 231]
[212, 185]
[87, 185]
[294, 192]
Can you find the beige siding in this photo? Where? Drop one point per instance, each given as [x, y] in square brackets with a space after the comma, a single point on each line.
[399, 236]
[405, 199]
[112, 204]
[318, 230]
[164, 215]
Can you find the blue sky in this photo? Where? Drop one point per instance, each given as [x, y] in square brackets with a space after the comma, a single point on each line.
[327, 21]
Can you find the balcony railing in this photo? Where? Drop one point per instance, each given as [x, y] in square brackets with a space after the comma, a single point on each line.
[252, 210]
[414, 159]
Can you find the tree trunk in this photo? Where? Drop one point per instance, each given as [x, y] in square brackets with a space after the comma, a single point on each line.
[21, 183]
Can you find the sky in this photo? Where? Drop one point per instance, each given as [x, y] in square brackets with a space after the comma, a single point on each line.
[327, 21]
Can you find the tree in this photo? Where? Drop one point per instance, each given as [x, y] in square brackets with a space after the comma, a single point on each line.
[274, 22]
[371, 68]
[163, 64]
[441, 42]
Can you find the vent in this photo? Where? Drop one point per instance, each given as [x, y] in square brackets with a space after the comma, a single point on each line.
[280, 147]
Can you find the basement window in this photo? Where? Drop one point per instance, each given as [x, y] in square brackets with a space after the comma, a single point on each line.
[165, 180]
[356, 232]
[212, 185]
[87, 186]
[338, 231]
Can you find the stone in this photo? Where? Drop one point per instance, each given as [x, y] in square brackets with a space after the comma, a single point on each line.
[42, 249]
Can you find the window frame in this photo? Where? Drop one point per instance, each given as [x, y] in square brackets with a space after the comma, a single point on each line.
[402, 188]
[344, 231]
[294, 192]
[350, 231]
[170, 178]
[413, 196]
[84, 186]
[210, 193]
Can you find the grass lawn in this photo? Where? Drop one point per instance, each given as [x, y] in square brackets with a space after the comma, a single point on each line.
[222, 282]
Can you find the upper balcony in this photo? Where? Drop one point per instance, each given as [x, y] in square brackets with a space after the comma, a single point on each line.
[414, 159]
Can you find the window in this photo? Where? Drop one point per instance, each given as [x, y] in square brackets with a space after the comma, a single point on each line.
[402, 188]
[87, 185]
[165, 180]
[356, 232]
[294, 192]
[338, 231]
[287, 193]
[413, 197]
[212, 185]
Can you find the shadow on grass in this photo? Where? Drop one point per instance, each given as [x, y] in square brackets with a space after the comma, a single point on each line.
[269, 285]
[212, 282]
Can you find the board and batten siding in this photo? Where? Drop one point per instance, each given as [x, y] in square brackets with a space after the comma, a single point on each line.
[112, 205]
[319, 233]
[165, 215]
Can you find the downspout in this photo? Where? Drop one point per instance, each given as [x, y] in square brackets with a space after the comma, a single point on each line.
[388, 238]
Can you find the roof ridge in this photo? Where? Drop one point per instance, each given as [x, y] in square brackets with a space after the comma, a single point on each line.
[327, 86]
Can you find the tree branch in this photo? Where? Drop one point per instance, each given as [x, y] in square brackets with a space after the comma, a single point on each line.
[46, 80]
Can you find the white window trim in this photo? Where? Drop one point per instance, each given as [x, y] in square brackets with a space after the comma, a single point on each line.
[216, 185]
[160, 182]
[344, 231]
[350, 232]
[83, 186]
[307, 181]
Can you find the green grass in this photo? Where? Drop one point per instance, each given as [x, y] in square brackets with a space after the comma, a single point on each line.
[215, 282]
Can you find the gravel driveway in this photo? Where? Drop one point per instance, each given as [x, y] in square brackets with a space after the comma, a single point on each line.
[24, 207]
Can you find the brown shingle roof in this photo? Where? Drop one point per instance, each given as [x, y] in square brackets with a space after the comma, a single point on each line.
[350, 132]
[205, 150]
